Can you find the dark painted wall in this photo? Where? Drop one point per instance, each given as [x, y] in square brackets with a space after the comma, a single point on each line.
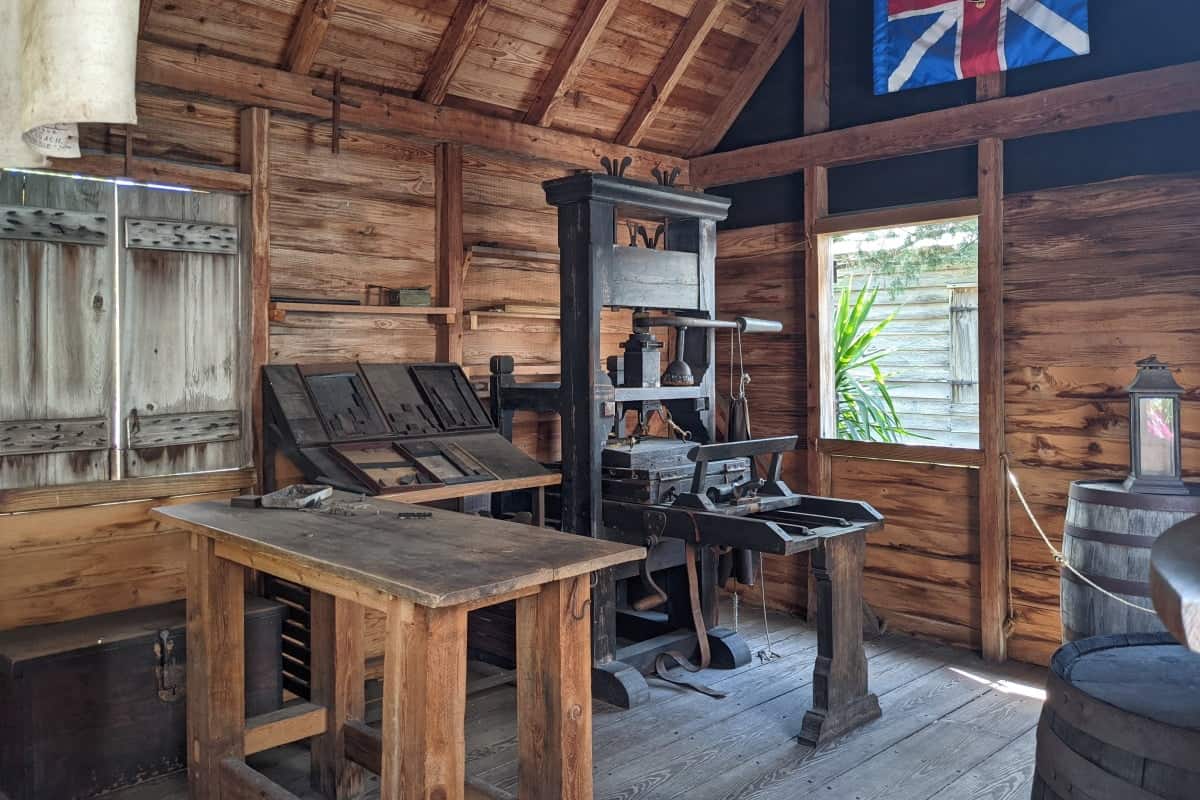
[1126, 37]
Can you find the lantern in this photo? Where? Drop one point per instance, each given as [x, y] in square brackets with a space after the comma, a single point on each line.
[1155, 449]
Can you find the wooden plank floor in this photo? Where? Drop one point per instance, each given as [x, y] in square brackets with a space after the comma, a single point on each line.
[953, 728]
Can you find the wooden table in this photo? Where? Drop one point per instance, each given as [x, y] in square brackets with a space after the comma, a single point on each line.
[425, 575]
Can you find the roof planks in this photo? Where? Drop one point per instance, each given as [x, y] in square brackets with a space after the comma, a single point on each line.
[722, 119]
[676, 61]
[451, 50]
[250, 84]
[570, 60]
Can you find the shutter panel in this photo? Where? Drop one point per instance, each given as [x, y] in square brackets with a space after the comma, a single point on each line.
[56, 330]
[964, 344]
[183, 367]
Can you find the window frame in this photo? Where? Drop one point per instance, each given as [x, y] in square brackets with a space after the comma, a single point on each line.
[822, 231]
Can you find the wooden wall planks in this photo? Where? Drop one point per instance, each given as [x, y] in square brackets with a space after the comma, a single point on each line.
[1121, 261]
[75, 562]
[760, 273]
[923, 569]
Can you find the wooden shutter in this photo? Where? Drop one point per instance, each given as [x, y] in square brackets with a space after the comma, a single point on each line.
[964, 344]
[57, 266]
[184, 404]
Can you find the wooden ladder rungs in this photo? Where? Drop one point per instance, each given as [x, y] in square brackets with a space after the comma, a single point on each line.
[240, 782]
[289, 724]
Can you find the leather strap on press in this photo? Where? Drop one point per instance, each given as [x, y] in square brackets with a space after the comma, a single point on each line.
[660, 663]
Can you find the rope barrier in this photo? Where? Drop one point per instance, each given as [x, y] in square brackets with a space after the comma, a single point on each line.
[1059, 556]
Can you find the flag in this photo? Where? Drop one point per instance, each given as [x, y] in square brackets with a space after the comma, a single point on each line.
[923, 42]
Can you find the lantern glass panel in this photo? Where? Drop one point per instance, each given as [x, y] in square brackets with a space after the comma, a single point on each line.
[1157, 436]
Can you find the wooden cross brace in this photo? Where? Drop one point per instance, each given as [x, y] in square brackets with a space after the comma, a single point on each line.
[336, 99]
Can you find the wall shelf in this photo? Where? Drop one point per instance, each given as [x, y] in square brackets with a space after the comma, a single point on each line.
[279, 311]
[473, 317]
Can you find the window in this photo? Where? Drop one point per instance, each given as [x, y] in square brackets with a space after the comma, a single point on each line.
[905, 334]
[121, 345]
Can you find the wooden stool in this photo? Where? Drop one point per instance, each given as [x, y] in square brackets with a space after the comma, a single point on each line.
[425, 575]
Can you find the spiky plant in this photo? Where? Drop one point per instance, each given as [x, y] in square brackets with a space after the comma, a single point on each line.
[865, 411]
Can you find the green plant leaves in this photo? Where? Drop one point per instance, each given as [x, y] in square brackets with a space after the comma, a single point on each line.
[865, 411]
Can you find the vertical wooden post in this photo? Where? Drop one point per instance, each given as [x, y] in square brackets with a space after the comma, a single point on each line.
[816, 66]
[554, 698]
[818, 291]
[424, 703]
[816, 279]
[448, 191]
[817, 283]
[256, 227]
[993, 485]
[336, 681]
[216, 672]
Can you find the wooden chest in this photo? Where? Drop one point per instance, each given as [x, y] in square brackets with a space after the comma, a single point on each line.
[94, 704]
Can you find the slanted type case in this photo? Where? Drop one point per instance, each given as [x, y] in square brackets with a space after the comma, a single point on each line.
[386, 428]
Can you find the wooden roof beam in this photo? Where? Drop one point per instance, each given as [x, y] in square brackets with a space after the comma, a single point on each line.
[244, 83]
[451, 50]
[1137, 95]
[307, 35]
[570, 60]
[756, 69]
[670, 70]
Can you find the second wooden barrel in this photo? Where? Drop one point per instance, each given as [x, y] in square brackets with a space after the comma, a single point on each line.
[1108, 536]
[1121, 721]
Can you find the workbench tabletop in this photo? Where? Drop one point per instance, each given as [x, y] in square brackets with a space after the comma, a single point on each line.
[446, 559]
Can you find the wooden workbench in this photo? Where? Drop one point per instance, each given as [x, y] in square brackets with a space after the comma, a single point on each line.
[426, 574]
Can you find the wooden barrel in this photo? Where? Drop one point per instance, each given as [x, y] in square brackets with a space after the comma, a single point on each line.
[1121, 721]
[1108, 536]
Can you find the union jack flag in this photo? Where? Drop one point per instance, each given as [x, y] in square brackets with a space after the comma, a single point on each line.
[922, 42]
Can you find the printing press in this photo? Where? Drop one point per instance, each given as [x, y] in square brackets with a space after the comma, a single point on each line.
[702, 508]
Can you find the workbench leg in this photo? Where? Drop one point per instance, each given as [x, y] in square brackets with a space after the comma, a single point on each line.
[424, 703]
[554, 694]
[216, 672]
[841, 699]
[336, 682]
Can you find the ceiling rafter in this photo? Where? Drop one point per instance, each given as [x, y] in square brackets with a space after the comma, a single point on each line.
[307, 35]
[748, 80]
[676, 61]
[451, 50]
[570, 60]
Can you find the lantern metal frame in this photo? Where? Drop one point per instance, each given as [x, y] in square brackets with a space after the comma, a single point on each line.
[1154, 381]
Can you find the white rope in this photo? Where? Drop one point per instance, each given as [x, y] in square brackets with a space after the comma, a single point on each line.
[1060, 557]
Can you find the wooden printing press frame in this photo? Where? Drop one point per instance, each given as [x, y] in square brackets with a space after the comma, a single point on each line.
[597, 273]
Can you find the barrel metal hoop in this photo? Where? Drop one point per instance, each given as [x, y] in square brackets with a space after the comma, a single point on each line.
[1084, 492]
[1141, 736]
[1067, 773]
[1114, 585]
[1109, 537]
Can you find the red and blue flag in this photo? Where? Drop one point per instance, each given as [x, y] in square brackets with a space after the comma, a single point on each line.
[923, 42]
